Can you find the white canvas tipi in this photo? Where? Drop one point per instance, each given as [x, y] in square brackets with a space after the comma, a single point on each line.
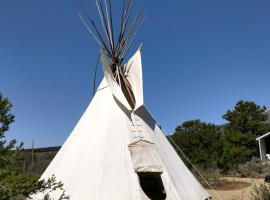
[119, 153]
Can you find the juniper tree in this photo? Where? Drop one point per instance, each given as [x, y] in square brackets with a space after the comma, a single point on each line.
[14, 183]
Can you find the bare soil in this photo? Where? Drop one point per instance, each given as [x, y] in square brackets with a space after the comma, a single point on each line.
[235, 188]
[232, 185]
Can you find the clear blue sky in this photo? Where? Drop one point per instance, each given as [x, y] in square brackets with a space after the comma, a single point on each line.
[199, 59]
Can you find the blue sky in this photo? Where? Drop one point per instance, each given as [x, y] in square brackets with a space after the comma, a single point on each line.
[199, 59]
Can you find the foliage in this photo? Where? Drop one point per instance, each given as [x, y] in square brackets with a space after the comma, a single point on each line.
[211, 175]
[201, 142]
[49, 186]
[19, 186]
[247, 117]
[238, 148]
[38, 161]
[262, 192]
[228, 148]
[246, 122]
[253, 168]
[6, 118]
[14, 184]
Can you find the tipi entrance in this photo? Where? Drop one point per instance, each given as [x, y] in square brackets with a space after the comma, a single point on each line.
[152, 186]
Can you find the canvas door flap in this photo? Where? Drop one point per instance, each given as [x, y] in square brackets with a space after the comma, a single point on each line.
[145, 157]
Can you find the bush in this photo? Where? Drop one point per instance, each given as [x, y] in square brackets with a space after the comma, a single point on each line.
[253, 168]
[212, 176]
[261, 193]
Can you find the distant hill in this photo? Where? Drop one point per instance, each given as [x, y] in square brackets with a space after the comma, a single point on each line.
[42, 158]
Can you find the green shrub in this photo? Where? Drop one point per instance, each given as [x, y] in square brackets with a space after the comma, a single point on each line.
[253, 168]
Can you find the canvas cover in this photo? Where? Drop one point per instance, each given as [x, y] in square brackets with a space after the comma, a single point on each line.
[96, 162]
[134, 75]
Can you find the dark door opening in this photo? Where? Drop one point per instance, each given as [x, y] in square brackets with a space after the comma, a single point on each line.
[267, 145]
[151, 184]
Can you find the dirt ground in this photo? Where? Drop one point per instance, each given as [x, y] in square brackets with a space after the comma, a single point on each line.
[235, 189]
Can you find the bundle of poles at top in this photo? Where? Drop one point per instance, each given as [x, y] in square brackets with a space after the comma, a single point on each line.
[116, 46]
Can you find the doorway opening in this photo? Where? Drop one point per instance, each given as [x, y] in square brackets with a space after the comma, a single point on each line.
[152, 185]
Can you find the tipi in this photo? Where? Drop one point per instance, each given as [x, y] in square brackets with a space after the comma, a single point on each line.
[117, 151]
